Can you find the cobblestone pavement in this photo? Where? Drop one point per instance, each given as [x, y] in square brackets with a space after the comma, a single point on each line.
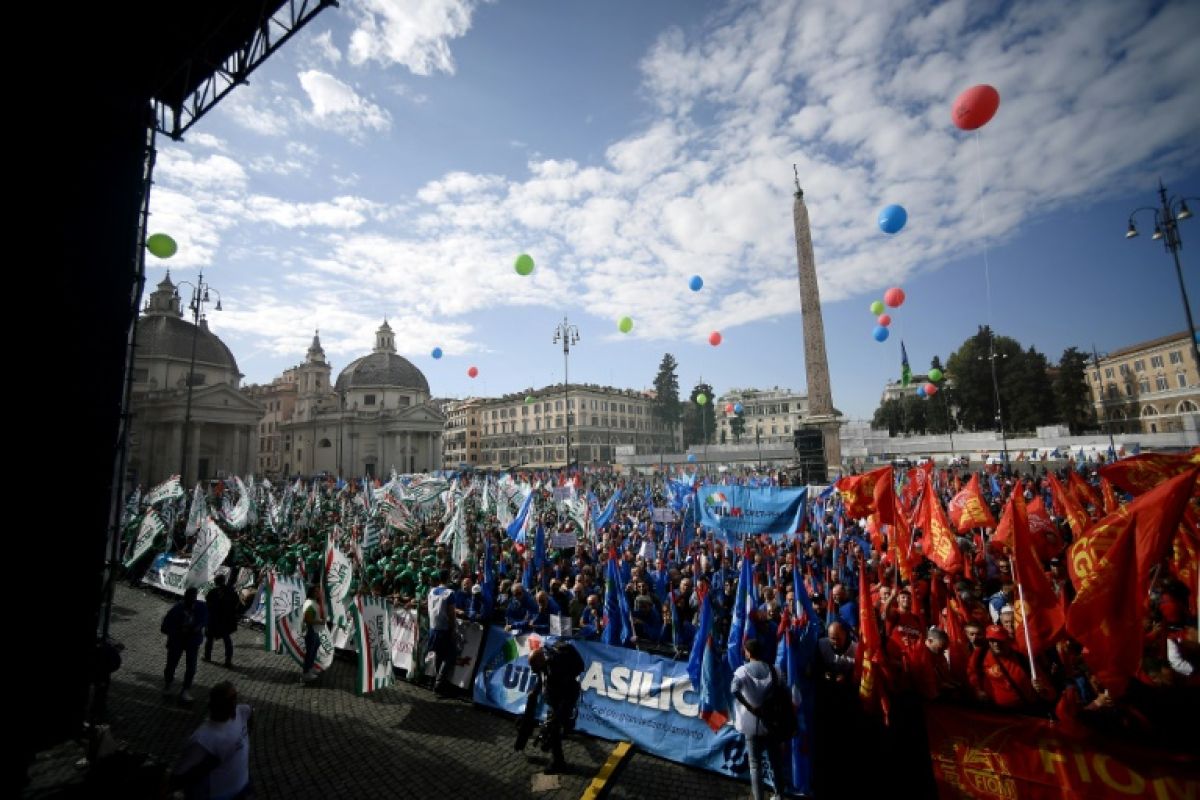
[324, 740]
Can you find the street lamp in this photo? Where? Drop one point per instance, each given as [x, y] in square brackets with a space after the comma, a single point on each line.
[1166, 217]
[568, 334]
[992, 356]
[200, 291]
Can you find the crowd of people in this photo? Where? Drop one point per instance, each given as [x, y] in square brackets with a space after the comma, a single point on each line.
[946, 636]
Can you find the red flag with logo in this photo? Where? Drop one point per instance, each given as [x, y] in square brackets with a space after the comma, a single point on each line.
[1141, 473]
[858, 492]
[940, 545]
[1039, 614]
[1106, 616]
[968, 509]
[1066, 505]
[871, 668]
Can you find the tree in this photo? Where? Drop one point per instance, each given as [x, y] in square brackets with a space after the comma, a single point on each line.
[1071, 392]
[1026, 397]
[890, 415]
[699, 421]
[667, 409]
[737, 426]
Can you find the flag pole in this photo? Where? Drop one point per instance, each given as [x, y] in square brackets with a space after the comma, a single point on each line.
[1024, 614]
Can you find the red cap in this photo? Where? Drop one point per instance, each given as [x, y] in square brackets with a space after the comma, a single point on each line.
[996, 633]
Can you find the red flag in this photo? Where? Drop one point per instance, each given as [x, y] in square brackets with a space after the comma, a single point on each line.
[1066, 505]
[1085, 493]
[858, 491]
[1106, 616]
[1142, 473]
[968, 510]
[1039, 615]
[872, 666]
[1045, 533]
[884, 493]
[959, 648]
[1110, 497]
[900, 538]
[1185, 557]
[940, 545]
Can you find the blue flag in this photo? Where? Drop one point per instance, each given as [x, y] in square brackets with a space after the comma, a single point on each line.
[516, 528]
[741, 627]
[708, 671]
[617, 624]
[797, 647]
[610, 510]
[539, 552]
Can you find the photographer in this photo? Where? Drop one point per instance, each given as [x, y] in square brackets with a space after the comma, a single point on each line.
[558, 668]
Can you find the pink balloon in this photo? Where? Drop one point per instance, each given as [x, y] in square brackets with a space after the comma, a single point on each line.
[473, 371]
[931, 389]
[714, 338]
[975, 107]
[894, 297]
[884, 320]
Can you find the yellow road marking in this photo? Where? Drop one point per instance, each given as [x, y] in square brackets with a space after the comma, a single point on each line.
[596, 787]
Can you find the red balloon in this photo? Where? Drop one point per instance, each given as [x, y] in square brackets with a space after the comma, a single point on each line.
[894, 297]
[931, 389]
[729, 408]
[884, 320]
[473, 371]
[975, 107]
[714, 338]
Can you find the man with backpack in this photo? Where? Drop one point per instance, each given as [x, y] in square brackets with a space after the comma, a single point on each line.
[763, 714]
[558, 668]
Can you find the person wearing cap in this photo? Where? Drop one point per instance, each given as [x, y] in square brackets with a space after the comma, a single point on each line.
[1008, 621]
[1000, 676]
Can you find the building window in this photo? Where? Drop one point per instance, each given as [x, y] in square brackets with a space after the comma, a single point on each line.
[1124, 369]
[1161, 383]
[1156, 361]
[368, 400]
[558, 405]
[1139, 366]
[595, 419]
[324, 443]
[1108, 373]
[1182, 379]
[558, 421]
[1129, 390]
[403, 400]
[1176, 357]
[1144, 386]
[1112, 391]
[198, 378]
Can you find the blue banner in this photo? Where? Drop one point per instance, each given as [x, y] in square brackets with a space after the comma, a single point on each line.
[733, 512]
[627, 695]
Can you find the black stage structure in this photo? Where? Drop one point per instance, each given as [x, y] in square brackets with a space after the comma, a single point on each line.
[98, 83]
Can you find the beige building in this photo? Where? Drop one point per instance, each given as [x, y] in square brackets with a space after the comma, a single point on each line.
[530, 428]
[221, 419]
[377, 416]
[278, 399]
[773, 415]
[460, 442]
[1151, 387]
[895, 390]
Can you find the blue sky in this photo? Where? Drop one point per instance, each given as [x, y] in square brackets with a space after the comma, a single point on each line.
[396, 157]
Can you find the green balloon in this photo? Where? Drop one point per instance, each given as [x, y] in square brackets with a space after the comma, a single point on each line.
[625, 325]
[161, 245]
[935, 375]
[524, 265]
[701, 399]
[877, 307]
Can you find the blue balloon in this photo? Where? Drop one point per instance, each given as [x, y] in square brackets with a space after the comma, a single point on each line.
[737, 408]
[921, 390]
[880, 334]
[692, 457]
[892, 218]
[696, 283]
[437, 352]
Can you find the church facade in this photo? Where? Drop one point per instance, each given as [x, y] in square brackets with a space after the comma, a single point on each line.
[376, 416]
[220, 420]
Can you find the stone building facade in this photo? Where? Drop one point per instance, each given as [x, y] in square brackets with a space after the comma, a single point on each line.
[1151, 387]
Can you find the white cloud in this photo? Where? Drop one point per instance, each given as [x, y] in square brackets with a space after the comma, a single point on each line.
[336, 106]
[256, 110]
[206, 140]
[326, 49]
[341, 212]
[413, 33]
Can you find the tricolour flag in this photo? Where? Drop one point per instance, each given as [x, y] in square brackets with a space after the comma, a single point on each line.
[372, 628]
[152, 525]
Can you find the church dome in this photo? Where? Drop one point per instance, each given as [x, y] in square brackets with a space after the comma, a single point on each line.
[382, 369]
[165, 336]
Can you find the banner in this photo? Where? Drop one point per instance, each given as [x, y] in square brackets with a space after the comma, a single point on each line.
[285, 596]
[150, 528]
[470, 637]
[563, 541]
[209, 553]
[169, 573]
[404, 639]
[372, 626]
[627, 695]
[994, 756]
[734, 511]
[291, 636]
[167, 490]
[663, 515]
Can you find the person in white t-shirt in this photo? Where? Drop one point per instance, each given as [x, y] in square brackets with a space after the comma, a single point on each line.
[215, 763]
[751, 682]
[441, 632]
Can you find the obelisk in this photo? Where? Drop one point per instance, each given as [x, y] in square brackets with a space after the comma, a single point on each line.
[821, 413]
